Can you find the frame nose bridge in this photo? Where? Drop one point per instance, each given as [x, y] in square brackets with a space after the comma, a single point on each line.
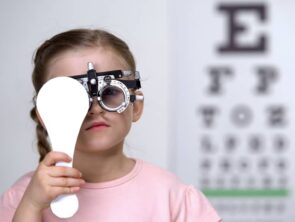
[95, 107]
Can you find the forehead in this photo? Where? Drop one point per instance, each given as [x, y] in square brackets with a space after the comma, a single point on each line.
[74, 62]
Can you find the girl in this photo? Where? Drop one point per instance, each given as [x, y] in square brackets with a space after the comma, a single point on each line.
[110, 186]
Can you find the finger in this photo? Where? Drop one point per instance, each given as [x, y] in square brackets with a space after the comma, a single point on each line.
[53, 157]
[66, 182]
[58, 171]
[64, 190]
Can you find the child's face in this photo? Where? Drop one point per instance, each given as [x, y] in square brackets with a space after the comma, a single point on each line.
[101, 130]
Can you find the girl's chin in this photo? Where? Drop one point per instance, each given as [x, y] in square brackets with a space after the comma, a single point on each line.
[97, 147]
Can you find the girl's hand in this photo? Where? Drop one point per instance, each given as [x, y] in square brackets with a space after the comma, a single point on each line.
[50, 181]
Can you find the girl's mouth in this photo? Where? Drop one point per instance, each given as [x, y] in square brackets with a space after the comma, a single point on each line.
[97, 126]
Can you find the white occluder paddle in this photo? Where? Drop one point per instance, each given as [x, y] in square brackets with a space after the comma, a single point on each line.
[62, 104]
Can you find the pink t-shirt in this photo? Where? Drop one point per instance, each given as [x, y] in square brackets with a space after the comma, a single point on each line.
[146, 194]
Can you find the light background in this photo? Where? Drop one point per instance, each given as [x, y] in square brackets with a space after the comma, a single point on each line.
[173, 42]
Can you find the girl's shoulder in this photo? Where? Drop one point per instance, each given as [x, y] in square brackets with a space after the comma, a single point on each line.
[23, 181]
[19, 187]
[186, 201]
[151, 167]
[10, 199]
[157, 173]
[154, 175]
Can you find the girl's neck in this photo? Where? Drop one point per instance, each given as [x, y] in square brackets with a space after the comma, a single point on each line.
[102, 167]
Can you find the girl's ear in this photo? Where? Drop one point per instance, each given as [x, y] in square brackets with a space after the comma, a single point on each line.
[137, 107]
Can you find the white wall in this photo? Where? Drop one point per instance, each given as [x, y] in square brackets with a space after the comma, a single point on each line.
[26, 24]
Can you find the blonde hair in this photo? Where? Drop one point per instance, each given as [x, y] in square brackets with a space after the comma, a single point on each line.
[69, 40]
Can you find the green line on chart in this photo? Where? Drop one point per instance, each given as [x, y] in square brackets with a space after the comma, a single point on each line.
[246, 192]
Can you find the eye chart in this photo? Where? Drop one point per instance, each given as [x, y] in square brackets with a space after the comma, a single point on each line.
[234, 116]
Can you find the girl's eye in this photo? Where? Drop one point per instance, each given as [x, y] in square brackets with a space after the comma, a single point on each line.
[112, 92]
[112, 97]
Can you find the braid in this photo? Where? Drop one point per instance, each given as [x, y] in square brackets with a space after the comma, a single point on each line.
[42, 142]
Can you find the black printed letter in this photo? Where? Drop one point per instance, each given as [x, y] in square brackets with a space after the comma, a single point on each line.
[235, 28]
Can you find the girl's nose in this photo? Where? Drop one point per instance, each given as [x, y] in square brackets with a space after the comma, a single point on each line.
[95, 108]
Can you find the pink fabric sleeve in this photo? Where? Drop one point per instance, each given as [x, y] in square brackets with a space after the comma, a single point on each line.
[194, 207]
[7, 206]
[11, 198]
